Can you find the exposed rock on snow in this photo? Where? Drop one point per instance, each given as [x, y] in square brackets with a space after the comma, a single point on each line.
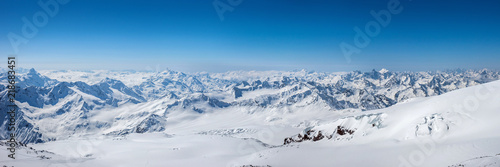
[341, 129]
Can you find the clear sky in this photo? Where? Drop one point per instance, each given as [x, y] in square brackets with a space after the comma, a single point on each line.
[189, 35]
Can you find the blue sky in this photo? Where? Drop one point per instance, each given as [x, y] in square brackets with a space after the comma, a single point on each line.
[189, 35]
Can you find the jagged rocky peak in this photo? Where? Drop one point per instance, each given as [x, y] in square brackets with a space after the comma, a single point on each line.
[32, 71]
[33, 78]
[153, 123]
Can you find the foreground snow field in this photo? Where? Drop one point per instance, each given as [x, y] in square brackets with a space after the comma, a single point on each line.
[456, 128]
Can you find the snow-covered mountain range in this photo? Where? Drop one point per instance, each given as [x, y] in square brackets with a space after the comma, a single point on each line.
[58, 104]
[305, 107]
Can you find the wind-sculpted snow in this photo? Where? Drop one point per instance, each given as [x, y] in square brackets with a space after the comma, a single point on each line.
[483, 161]
[432, 125]
[59, 104]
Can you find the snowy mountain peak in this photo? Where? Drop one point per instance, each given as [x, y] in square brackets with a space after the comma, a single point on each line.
[32, 71]
[383, 71]
[33, 78]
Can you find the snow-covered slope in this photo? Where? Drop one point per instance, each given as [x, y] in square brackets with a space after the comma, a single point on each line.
[72, 98]
[259, 118]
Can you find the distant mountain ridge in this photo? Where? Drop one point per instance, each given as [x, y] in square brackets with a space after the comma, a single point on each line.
[59, 104]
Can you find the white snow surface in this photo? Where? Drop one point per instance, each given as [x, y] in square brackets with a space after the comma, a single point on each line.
[176, 119]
